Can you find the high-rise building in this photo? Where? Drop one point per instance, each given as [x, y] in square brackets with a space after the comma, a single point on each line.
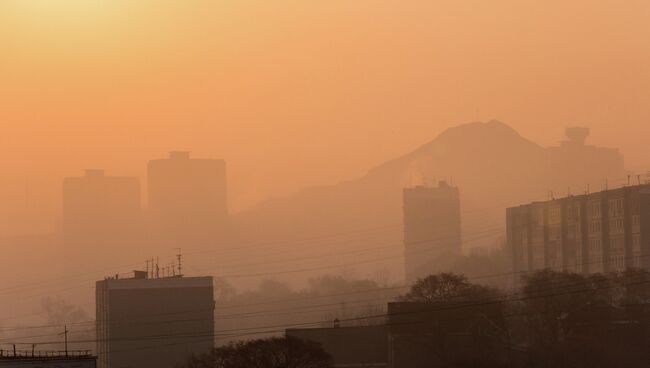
[432, 228]
[606, 231]
[187, 200]
[101, 213]
[153, 322]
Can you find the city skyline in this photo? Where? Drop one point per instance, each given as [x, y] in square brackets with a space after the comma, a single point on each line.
[324, 184]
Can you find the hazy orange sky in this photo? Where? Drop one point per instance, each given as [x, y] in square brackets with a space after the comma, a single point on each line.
[295, 93]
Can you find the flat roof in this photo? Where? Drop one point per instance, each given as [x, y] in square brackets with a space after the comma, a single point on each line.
[158, 283]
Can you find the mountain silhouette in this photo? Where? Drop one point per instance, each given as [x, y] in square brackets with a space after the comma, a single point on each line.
[493, 166]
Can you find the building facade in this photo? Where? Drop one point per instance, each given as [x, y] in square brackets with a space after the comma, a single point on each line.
[153, 322]
[608, 231]
[187, 200]
[432, 228]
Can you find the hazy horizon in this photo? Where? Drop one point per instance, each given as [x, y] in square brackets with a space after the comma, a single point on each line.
[381, 183]
[293, 95]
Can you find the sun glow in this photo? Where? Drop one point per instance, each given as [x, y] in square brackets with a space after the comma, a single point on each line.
[58, 12]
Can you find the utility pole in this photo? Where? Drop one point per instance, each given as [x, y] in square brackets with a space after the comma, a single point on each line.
[65, 333]
[65, 336]
[179, 256]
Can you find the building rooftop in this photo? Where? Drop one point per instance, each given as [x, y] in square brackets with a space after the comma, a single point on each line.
[50, 355]
[577, 196]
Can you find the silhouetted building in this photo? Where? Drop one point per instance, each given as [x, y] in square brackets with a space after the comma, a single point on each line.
[576, 164]
[432, 228]
[57, 359]
[101, 214]
[359, 346]
[187, 200]
[153, 322]
[600, 232]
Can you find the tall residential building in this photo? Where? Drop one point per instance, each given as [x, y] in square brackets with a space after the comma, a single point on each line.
[187, 200]
[153, 322]
[101, 214]
[432, 228]
[600, 232]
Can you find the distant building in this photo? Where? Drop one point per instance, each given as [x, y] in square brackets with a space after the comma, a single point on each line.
[577, 164]
[25, 359]
[153, 322]
[360, 346]
[432, 228]
[187, 200]
[600, 232]
[101, 213]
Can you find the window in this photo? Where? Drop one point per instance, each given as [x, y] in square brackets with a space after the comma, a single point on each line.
[594, 227]
[636, 223]
[594, 209]
[616, 207]
[573, 231]
[636, 243]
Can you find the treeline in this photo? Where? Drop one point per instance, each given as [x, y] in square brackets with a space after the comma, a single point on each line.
[277, 305]
[552, 319]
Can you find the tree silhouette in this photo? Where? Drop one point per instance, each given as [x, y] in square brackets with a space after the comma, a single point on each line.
[275, 352]
[444, 314]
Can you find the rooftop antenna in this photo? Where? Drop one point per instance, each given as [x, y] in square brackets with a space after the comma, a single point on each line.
[146, 261]
[179, 256]
[157, 268]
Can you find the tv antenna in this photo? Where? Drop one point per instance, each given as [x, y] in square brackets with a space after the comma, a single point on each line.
[179, 257]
